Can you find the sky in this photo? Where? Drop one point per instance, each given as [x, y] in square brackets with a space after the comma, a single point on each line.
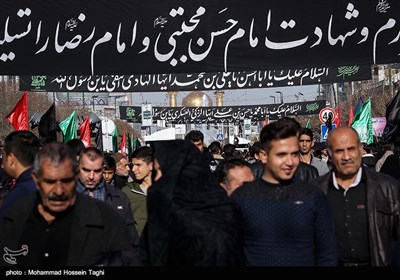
[236, 97]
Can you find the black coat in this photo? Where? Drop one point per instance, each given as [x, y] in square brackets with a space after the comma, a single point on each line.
[305, 172]
[191, 220]
[98, 234]
[383, 212]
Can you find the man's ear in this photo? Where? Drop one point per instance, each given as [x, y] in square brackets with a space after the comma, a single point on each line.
[12, 160]
[262, 156]
[312, 143]
[35, 180]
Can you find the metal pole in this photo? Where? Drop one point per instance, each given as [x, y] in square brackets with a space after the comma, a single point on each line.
[83, 100]
[281, 95]
[115, 106]
[93, 97]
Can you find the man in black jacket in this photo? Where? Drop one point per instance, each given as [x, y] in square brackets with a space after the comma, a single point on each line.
[57, 226]
[365, 204]
[92, 184]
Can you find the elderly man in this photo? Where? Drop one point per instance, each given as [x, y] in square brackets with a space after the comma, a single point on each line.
[58, 226]
[365, 204]
[122, 171]
[233, 173]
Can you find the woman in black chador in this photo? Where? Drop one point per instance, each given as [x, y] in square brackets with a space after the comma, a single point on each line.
[191, 220]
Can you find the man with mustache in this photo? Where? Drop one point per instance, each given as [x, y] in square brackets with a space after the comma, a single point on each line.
[58, 226]
[365, 204]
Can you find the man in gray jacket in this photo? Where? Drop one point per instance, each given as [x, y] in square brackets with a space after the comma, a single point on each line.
[306, 143]
[365, 204]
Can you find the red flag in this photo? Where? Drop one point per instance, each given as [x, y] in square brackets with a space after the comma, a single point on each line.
[351, 116]
[84, 132]
[122, 146]
[337, 120]
[18, 117]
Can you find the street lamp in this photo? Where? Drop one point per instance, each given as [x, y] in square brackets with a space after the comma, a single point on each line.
[115, 106]
[281, 95]
[93, 97]
[272, 97]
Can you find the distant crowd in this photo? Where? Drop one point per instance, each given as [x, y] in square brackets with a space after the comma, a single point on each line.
[282, 202]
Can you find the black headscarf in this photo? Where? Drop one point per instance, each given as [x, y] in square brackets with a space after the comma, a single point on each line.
[191, 220]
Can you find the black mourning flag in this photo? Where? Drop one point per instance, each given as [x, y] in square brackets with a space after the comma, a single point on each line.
[130, 144]
[99, 137]
[48, 124]
[392, 118]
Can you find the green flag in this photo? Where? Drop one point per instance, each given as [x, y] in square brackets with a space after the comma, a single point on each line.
[114, 136]
[69, 127]
[362, 122]
[308, 125]
[133, 143]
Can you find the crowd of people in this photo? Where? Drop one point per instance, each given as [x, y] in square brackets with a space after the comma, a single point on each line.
[180, 202]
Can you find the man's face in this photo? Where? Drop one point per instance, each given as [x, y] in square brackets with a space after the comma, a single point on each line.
[122, 167]
[199, 145]
[141, 169]
[56, 186]
[305, 144]
[90, 172]
[345, 152]
[108, 175]
[282, 160]
[237, 176]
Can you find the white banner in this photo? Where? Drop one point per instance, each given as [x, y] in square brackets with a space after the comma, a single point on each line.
[247, 126]
[147, 115]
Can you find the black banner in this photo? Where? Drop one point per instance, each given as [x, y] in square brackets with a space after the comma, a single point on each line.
[199, 81]
[225, 114]
[102, 37]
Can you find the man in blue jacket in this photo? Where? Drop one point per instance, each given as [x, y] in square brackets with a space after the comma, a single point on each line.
[287, 221]
[20, 148]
